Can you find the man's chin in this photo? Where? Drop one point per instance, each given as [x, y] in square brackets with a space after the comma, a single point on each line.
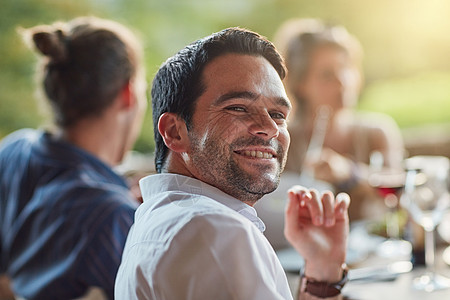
[256, 182]
[269, 172]
[266, 184]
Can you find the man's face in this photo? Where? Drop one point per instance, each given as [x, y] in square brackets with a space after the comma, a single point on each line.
[239, 138]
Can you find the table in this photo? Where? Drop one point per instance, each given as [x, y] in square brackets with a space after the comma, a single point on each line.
[399, 289]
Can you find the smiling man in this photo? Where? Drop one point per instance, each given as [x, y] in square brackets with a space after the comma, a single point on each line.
[220, 115]
[239, 137]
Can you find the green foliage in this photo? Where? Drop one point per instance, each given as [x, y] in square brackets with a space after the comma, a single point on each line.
[411, 101]
[401, 39]
[18, 105]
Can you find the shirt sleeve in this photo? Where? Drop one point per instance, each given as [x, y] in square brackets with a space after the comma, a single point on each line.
[218, 257]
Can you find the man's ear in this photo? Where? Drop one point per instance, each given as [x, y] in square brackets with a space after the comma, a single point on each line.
[128, 98]
[173, 131]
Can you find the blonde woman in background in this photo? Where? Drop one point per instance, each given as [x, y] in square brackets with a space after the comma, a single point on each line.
[330, 139]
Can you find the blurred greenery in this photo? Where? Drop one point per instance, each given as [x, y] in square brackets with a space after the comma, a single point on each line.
[411, 101]
[406, 45]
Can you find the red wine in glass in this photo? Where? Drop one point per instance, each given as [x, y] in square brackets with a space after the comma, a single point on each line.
[389, 190]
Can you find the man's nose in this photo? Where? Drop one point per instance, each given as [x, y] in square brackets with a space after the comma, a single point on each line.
[263, 125]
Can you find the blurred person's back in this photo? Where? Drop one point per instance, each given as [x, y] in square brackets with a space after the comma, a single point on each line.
[64, 212]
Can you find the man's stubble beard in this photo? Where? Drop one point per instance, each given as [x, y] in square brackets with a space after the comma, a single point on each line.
[218, 168]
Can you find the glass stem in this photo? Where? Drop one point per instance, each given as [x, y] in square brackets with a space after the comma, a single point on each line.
[392, 222]
[429, 249]
[392, 227]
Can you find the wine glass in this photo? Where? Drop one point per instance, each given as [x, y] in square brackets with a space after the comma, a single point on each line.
[315, 145]
[426, 197]
[389, 184]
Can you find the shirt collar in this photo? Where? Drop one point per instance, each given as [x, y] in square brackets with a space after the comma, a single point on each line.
[158, 183]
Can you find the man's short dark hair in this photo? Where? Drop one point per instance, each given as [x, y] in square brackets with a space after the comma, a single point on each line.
[177, 84]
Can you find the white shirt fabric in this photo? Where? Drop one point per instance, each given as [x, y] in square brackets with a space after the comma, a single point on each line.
[193, 241]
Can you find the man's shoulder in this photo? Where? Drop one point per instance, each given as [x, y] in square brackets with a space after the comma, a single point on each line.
[77, 201]
[180, 208]
[167, 229]
[25, 134]
[160, 222]
[18, 140]
[216, 224]
[103, 201]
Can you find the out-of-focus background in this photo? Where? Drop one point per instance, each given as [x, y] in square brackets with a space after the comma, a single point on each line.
[406, 44]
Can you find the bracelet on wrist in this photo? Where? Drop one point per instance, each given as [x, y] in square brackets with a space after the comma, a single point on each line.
[323, 289]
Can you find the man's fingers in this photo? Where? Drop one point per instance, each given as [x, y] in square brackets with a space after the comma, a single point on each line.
[321, 209]
[315, 207]
[297, 196]
[300, 193]
[292, 204]
[328, 209]
[342, 204]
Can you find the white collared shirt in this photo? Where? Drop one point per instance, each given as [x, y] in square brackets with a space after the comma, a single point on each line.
[193, 241]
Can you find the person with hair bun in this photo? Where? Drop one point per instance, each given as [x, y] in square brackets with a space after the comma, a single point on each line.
[331, 141]
[64, 213]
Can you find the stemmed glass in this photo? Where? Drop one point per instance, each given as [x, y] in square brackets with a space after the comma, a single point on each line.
[426, 197]
[389, 184]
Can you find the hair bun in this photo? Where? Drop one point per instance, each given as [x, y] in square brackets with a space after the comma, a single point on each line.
[51, 44]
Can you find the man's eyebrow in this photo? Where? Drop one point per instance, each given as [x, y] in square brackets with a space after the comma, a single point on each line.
[250, 96]
[283, 102]
[236, 94]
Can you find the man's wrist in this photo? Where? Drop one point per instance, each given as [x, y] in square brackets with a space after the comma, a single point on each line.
[329, 272]
[323, 288]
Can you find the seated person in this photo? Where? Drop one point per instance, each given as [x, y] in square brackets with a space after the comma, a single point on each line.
[220, 122]
[64, 213]
[333, 145]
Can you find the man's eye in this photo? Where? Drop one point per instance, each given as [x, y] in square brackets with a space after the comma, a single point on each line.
[277, 115]
[236, 108]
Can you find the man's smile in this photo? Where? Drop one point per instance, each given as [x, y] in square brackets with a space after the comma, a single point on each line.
[257, 153]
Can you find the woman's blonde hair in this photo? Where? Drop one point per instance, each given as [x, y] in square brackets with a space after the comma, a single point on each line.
[297, 39]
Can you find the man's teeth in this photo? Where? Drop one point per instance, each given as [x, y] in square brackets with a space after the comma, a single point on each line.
[258, 154]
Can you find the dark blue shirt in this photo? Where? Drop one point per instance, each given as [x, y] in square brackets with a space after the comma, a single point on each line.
[64, 217]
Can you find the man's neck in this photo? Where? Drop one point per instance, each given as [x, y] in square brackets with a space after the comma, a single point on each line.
[99, 140]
